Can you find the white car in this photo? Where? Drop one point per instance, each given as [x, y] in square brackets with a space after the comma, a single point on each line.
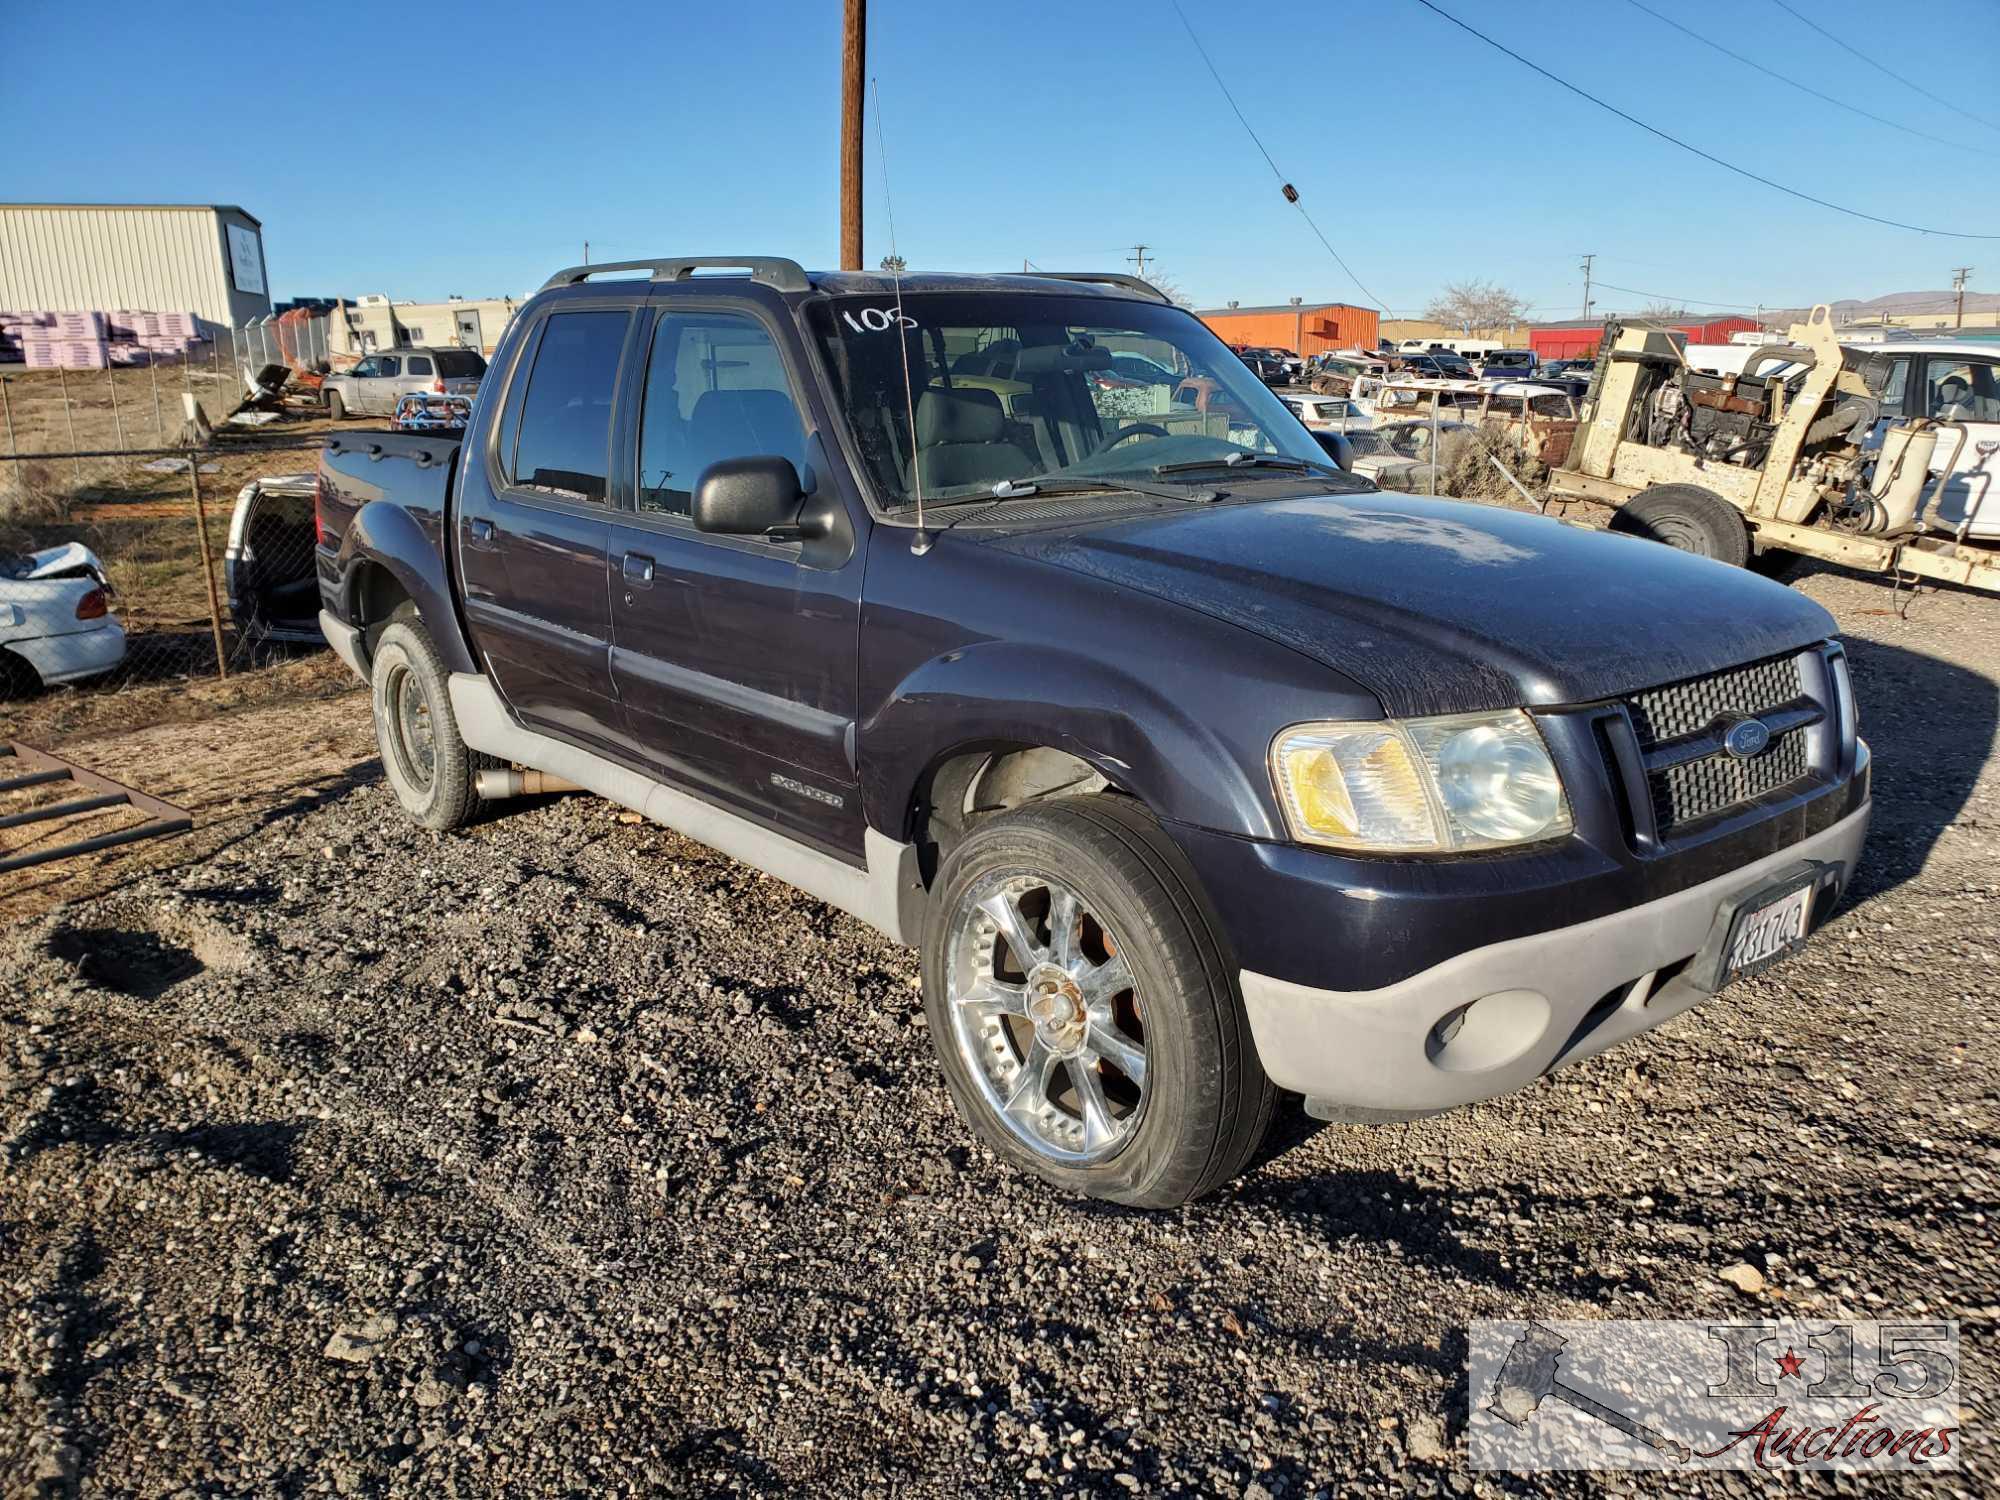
[1948, 380]
[56, 623]
[1325, 413]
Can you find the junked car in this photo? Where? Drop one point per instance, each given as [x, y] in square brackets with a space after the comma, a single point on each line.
[267, 565]
[426, 411]
[370, 388]
[56, 623]
[1397, 456]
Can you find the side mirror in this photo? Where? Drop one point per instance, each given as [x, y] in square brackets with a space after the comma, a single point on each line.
[1338, 450]
[755, 496]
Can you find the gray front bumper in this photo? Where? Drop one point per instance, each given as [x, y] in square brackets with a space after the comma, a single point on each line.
[1373, 1052]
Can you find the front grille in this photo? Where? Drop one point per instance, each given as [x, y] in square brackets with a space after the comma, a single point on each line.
[1687, 788]
[1667, 713]
[1716, 783]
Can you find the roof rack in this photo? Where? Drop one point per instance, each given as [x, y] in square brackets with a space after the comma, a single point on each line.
[1105, 278]
[771, 270]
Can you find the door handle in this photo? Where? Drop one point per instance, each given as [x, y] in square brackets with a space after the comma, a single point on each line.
[481, 530]
[638, 569]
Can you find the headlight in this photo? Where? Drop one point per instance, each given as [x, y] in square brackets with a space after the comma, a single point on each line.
[1463, 781]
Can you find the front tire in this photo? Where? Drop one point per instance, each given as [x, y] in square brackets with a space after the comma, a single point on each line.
[336, 409]
[427, 762]
[1083, 1009]
[1689, 518]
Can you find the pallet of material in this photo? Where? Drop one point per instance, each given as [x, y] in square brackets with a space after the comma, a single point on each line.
[65, 354]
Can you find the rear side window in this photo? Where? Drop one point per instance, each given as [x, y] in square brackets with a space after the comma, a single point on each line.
[389, 364]
[563, 446]
[460, 364]
[419, 365]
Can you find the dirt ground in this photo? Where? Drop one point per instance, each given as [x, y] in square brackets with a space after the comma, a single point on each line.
[565, 1156]
[233, 773]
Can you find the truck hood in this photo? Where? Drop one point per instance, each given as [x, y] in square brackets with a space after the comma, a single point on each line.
[1439, 606]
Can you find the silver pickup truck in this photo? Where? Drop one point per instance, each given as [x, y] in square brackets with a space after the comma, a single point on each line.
[370, 388]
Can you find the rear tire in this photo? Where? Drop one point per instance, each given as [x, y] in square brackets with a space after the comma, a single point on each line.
[1153, 992]
[1689, 518]
[427, 762]
[336, 409]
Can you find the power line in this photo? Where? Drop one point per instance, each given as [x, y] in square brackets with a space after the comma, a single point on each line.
[1906, 83]
[1291, 193]
[1803, 88]
[1633, 291]
[1672, 140]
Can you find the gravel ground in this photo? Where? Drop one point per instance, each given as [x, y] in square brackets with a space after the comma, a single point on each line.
[566, 1157]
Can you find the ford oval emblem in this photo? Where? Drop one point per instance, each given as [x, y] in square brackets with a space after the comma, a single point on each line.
[1747, 737]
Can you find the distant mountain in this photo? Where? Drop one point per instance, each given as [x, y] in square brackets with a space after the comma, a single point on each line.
[1893, 304]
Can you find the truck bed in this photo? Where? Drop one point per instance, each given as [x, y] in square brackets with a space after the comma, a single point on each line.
[412, 468]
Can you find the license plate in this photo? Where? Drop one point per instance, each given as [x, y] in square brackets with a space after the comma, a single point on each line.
[1768, 928]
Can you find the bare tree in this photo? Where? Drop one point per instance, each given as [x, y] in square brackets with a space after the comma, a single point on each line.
[1665, 312]
[1476, 307]
[1171, 289]
[895, 264]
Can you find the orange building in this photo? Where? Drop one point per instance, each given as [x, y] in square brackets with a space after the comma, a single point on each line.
[1304, 328]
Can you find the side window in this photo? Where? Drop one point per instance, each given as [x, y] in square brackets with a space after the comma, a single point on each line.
[389, 364]
[565, 433]
[1963, 391]
[363, 371]
[419, 365]
[715, 388]
[1897, 387]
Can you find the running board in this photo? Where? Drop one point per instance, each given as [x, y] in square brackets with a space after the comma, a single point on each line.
[43, 769]
[887, 895]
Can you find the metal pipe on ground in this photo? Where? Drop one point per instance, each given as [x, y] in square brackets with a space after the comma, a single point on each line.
[497, 783]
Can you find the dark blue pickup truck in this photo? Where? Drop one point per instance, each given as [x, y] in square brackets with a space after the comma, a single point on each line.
[1197, 769]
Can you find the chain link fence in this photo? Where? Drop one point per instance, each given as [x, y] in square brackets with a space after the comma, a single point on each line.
[142, 581]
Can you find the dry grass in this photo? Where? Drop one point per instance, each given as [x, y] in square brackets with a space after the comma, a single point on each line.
[142, 523]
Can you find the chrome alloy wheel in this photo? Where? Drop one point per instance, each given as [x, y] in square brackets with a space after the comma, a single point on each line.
[1045, 1017]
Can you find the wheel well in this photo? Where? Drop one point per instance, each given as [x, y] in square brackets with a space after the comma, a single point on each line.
[967, 786]
[378, 599]
[18, 677]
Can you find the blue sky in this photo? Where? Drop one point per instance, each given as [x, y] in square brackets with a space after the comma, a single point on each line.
[427, 149]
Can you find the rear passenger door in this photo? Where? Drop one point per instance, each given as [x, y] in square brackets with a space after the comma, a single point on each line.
[734, 658]
[534, 521]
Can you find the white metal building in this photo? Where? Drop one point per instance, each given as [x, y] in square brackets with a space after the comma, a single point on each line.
[204, 258]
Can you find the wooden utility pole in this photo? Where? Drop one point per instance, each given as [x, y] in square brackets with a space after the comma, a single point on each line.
[1959, 276]
[853, 69]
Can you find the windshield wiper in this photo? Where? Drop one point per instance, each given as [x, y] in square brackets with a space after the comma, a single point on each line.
[1015, 489]
[1247, 461]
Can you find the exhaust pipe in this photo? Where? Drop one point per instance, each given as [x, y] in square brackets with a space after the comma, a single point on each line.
[499, 782]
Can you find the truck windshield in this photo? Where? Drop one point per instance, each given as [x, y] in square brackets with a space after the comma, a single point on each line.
[1012, 387]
